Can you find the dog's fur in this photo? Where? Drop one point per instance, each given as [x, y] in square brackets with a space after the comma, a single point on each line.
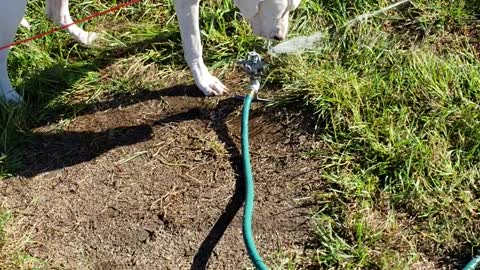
[268, 19]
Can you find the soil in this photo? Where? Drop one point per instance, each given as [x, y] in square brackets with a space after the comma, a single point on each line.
[154, 181]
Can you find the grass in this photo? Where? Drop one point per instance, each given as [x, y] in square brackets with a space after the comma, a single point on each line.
[397, 103]
[396, 100]
[12, 254]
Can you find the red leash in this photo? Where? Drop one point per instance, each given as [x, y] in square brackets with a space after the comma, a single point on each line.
[117, 7]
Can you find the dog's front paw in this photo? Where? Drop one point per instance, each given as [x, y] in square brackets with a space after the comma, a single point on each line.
[86, 38]
[210, 85]
[11, 97]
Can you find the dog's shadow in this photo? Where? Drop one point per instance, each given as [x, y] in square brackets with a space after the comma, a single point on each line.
[47, 151]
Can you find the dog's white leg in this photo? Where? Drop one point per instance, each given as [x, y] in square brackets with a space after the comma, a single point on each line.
[11, 13]
[57, 10]
[188, 17]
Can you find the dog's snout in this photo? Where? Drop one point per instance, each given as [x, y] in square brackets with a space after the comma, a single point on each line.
[278, 34]
[278, 37]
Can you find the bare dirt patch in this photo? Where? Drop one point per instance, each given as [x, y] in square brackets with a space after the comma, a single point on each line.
[154, 181]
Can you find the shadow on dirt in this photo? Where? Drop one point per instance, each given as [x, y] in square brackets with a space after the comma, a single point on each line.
[43, 152]
[49, 151]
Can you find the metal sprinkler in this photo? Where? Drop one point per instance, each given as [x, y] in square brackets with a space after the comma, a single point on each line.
[255, 67]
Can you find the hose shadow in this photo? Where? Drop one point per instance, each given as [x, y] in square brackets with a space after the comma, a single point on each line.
[201, 258]
[220, 112]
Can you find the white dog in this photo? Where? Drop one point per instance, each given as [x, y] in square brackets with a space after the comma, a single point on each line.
[268, 19]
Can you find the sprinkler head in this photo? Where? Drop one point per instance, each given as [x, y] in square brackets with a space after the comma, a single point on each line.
[254, 66]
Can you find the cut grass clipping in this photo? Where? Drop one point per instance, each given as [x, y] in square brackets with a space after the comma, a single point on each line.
[396, 100]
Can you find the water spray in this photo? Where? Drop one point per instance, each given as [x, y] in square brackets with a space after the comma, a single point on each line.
[301, 43]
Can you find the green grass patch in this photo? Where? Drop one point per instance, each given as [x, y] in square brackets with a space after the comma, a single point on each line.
[397, 107]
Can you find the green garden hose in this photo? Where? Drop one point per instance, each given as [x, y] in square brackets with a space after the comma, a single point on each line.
[249, 189]
[473, 264]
